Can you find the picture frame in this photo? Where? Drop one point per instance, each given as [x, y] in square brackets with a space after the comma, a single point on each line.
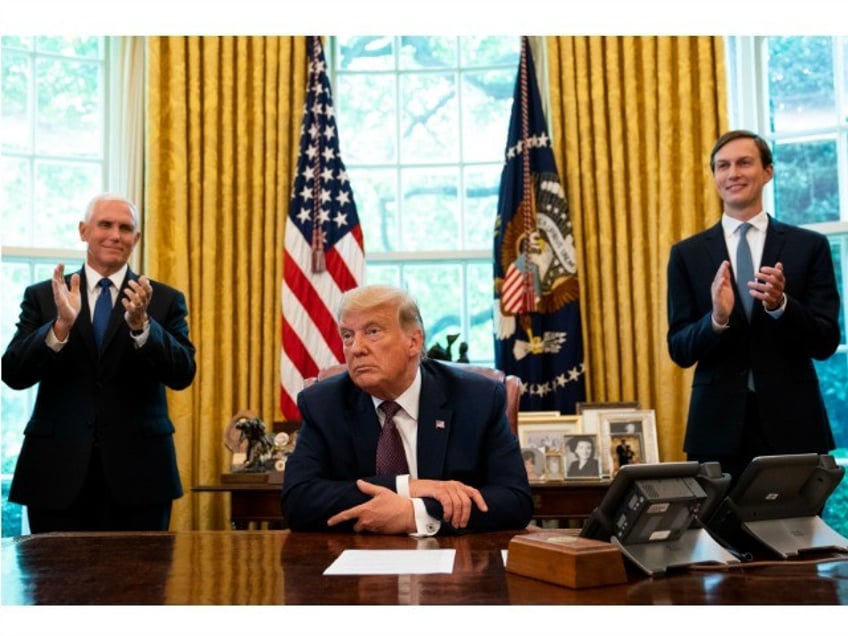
[590, 417]
[605, 406]
[637, 429]
[534, 463]
[545, 439]
[583, 457]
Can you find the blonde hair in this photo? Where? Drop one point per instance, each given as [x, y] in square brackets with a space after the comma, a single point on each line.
[371, 296]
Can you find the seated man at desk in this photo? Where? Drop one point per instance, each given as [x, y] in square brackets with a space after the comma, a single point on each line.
[401, 444]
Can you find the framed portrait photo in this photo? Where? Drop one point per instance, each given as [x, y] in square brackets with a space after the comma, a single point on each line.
[582, 459]
[628, 438]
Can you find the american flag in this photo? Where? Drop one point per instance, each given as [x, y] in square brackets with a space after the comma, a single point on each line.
[537, 292]
[324, 254]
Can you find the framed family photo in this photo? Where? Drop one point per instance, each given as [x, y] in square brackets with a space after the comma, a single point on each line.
[628, 438]
[543, 443]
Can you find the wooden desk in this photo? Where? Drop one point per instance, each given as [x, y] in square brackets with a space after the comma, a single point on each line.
[282, 567]
[259, 503]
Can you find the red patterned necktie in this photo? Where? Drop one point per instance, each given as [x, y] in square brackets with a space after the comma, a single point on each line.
[391, 458]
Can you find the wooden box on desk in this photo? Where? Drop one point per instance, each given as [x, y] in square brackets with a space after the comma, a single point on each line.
[565, 559]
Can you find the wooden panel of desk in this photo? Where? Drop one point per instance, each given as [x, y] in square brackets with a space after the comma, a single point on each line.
[282, 567]
[259, 503]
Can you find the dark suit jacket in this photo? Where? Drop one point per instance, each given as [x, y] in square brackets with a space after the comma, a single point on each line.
[779, 352]
[463, 434]
[116, 398]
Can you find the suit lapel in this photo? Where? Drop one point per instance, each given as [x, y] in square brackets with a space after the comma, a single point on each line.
[117, 316]
[715, 246]
[83, 323]
[773, 246]
[366, 430]
[434, 427]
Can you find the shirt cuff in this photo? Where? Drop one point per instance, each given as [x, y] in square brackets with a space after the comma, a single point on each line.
[426, 526]
[141, 338]
[717, 327]
[53, 342]
[777, 313]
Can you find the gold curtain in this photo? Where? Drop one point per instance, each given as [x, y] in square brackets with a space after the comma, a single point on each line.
[633, 121]
[223, 120]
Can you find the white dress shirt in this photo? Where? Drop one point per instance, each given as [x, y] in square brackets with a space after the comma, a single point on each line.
[406, 421]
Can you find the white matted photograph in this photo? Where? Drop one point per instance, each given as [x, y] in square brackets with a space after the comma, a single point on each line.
[543, 436]
[547, 434]
[590, 414]
[628, 438]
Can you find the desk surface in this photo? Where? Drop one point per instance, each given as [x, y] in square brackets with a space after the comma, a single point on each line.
[282, 567]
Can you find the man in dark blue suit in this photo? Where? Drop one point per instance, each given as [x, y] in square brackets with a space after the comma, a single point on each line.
[755, 390]
[98, 451]
[461, 467]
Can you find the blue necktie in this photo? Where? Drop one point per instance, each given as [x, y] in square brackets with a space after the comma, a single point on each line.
[102, 312]
[391, 458]
[744, 270]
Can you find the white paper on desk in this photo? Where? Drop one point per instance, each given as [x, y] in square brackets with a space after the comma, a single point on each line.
[393, 562]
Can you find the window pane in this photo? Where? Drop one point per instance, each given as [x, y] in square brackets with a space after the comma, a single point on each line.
[15, 179]
[481, 205]
[490, 50]
[62, 190]
[377, 274]
[430, 209]
[800, 81]
[438, 291]
[366, 53]
[422, 52]
[16, 120]
[69, 107]
[806, 182]
[375, 192]
[368, 119]
[479, 294]
[16, 42]
[16, 405]
[91, 47]
[844, 46]
[429, 118]
[832, 373]
[486, 104]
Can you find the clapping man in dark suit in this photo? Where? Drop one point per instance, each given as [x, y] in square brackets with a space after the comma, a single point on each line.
[98, 451]
[755, 390]
[460, 464]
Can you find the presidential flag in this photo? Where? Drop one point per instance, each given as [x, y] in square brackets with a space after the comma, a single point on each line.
[537, 309]
[323, 254]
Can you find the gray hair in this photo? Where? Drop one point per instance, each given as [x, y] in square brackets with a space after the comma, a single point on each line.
[108, 196]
